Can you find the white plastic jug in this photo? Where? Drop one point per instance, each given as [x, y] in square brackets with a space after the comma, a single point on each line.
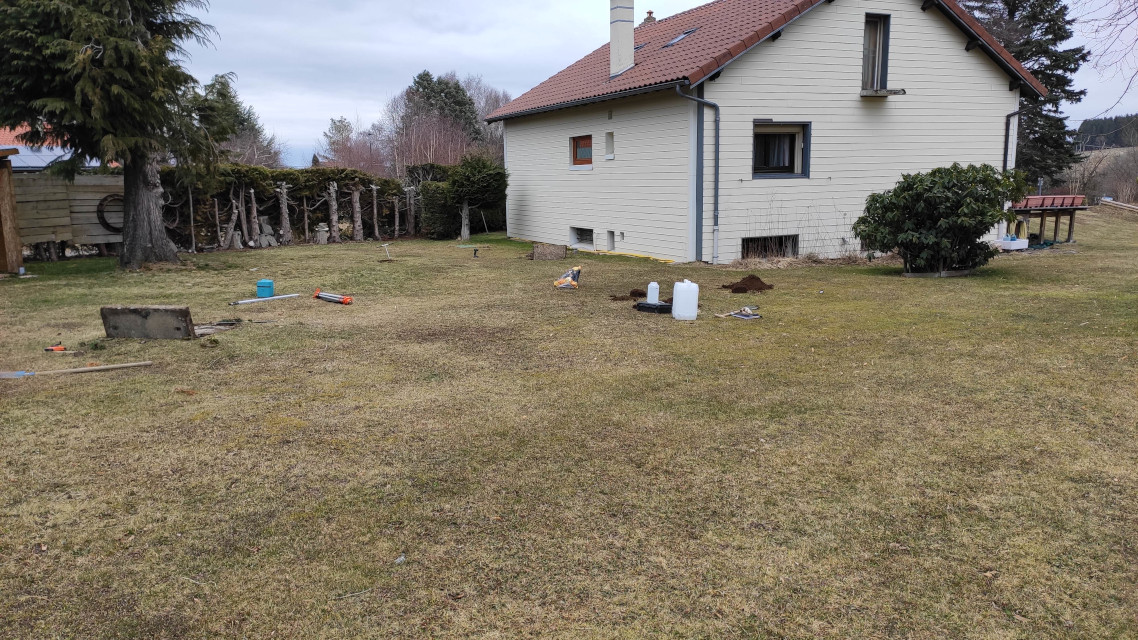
[653, 293]
[685, 300]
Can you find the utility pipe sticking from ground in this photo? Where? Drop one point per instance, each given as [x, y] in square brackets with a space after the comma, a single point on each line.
[715, 206]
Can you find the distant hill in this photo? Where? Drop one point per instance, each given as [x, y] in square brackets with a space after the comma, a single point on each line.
[1105, 133]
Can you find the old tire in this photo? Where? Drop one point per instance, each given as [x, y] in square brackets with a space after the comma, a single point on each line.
[101, 212]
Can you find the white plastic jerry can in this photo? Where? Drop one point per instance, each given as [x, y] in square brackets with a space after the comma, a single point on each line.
[685, 300]
[653, 293]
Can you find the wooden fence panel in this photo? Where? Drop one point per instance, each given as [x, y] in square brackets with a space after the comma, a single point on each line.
[52, 209]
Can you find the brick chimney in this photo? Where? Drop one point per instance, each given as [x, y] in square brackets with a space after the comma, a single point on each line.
[622, 22]
[649, 20]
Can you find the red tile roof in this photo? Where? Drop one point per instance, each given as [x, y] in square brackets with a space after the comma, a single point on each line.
[8, 137]
[725, 30]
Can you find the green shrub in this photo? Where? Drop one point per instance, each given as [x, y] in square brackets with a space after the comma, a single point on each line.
[441, 216]
[935, 220]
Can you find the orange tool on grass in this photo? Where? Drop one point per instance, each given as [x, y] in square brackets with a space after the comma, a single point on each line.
[332, 297]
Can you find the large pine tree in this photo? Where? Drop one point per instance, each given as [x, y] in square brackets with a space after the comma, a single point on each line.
[104, 78]
[1034, 31]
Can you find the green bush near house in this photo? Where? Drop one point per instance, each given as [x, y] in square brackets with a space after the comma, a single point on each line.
[441, 217]
[935, 220]
[442, 209]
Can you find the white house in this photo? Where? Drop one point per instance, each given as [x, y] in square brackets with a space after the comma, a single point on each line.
[818, 103]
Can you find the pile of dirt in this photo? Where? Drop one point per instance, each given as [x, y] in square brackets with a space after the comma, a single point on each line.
[638, 293]
[751, 283]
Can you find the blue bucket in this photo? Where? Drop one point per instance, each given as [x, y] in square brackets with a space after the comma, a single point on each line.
[264, 288]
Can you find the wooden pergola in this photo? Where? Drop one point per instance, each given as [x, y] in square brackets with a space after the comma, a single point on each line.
[1044, 207]
[11, 250]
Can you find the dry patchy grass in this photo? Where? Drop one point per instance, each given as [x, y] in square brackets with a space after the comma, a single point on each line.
[467, 452]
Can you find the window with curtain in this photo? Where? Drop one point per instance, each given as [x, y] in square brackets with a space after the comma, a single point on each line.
[875, 53]
[781, 150]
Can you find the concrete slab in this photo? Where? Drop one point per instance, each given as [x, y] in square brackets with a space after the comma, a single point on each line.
[542, 251]
[148, 323]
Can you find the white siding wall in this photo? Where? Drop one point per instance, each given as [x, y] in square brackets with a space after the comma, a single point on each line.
[644, 193]
[954, 112]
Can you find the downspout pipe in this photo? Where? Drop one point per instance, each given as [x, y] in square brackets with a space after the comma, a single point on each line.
[1008, 129]
[715, 206]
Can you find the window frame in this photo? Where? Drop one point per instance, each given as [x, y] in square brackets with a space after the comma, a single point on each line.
[803, 135]
[573, 147]
[882, 61]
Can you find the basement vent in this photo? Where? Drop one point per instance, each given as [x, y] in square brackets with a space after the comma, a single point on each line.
[581, 238]
[770, 247]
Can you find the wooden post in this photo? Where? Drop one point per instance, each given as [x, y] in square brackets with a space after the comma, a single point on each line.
[375, 211]
[239, 208]
[1071, 227]
[1055, 236]
[11, 250]
[217, 221]
[411, 212]
[193, 238]
[254, 220]
[307, 235]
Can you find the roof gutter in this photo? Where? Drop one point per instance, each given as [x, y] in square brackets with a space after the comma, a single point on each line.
[984, 46]
[593, 100]
[715, 206]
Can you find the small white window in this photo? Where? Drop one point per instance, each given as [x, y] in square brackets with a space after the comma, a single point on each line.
[610, 146]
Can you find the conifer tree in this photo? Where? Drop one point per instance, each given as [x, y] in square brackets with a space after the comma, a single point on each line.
[1034, 31]
[104, 78]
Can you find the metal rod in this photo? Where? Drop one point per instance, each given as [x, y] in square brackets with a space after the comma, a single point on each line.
[256, 300]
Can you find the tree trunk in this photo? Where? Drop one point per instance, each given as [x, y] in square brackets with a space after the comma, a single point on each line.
[244, 221]
[333, 213]
[217, 221]
[307, 233]
[375, 212]
[357, 215]
[286, 225]
[144, 234]
[411, 213]
[465, 235]
[193, 235]
[254, 221]
[395, 213]
[228, 242]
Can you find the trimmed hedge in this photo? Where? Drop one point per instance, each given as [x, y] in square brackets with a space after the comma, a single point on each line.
[441, 216]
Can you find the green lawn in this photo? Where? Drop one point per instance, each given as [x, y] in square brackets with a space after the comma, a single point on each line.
[467, 452]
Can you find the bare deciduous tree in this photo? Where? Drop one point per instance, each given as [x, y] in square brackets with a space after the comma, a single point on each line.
[1111, 28]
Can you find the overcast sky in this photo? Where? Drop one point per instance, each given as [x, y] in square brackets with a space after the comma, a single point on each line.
[300, 63]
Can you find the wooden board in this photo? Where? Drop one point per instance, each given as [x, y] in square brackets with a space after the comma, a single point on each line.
[53, 209]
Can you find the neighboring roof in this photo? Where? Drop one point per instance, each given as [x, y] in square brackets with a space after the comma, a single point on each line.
[725, 30]
[8, 137]
[37, 159]
[33, 158]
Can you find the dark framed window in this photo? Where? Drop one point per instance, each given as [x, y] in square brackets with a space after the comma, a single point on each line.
[582, 150]
[781, 150]
[875, 53]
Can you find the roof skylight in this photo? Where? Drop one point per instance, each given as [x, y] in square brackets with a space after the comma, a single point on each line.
[681, 37]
